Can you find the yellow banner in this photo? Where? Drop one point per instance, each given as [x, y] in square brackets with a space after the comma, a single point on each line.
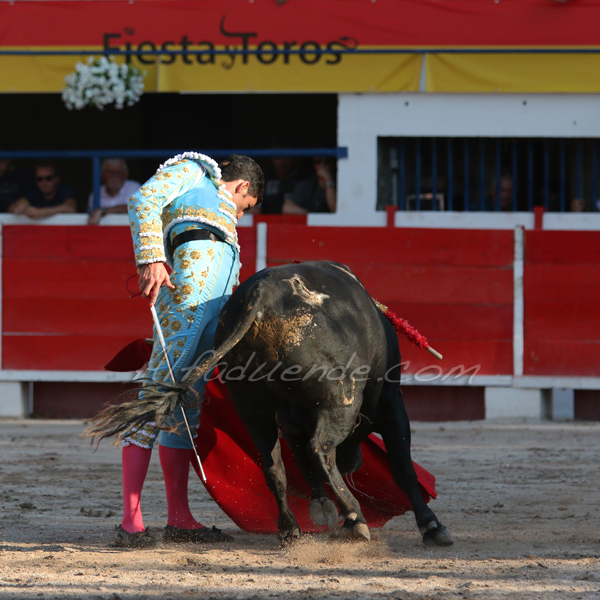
[358, 73]
[510, 73]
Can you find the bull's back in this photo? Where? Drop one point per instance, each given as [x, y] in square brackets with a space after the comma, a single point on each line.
[313, 315]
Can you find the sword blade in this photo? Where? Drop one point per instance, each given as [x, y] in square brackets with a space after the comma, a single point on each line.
[164, 348]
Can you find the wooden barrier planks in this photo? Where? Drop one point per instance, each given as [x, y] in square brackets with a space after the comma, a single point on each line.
[65, 305]
[463, 247]
[454, 286]
[65, 302]
[562, 295]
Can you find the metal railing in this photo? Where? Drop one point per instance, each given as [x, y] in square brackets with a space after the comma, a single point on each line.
[303, 52]
[488, 174]
[96, 157]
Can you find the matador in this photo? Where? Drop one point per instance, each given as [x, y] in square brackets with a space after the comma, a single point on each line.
[185, 216]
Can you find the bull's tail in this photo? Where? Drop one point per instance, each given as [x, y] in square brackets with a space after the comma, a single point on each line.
[156, 405]
[252, 310]
[159, 401]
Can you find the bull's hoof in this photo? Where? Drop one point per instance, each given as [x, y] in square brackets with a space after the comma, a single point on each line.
[361, 532]
[356, 530]
[290, 537]
[323, 512]
[437, 535]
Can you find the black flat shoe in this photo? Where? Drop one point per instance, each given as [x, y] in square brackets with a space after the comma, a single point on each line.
[175, 535]
[140, 539]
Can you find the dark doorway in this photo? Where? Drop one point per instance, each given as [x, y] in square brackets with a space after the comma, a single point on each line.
[164, 121]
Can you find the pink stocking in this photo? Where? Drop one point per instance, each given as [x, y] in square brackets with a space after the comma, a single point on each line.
[135, 466]
[175, 463]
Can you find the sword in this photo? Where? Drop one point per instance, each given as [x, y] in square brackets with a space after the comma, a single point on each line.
[164, 348]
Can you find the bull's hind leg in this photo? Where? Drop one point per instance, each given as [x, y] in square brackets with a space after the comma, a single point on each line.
[332, 428]
[259, 418]
[276, 480]
[394, 427]
[322, 509]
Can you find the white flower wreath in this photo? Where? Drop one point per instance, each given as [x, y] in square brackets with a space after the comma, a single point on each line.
[103, 81]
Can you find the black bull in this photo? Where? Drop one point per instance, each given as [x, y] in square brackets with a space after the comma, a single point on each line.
[324, 367]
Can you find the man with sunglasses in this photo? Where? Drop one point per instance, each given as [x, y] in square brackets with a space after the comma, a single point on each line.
[49, 197]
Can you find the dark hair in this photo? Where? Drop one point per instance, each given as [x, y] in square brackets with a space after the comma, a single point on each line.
[46, 164]
[243, 167]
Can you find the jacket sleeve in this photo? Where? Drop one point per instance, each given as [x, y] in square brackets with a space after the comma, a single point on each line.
[146, 205]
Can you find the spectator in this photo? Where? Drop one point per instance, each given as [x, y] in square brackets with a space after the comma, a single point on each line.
[50, 197]
[116, 191]
[316, 193]
[506, 193]
[577, 205]
[15, 182]
[491, 203]
[288, 174]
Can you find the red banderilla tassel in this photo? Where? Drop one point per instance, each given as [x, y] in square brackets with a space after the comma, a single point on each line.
[404, 327]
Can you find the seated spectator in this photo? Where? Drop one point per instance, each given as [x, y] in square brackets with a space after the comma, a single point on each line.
[288, 174]
[116, 191]
[15, 182]
[50, 197]
[316, 193]
[578, 205]
[491, 203]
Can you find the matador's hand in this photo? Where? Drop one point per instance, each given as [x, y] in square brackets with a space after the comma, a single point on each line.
[152, 277]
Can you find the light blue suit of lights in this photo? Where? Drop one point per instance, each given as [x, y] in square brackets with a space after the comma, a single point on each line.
[185, 193]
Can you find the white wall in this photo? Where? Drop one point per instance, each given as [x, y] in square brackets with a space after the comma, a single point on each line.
[14, 399]
[513, 403]
[364, 117]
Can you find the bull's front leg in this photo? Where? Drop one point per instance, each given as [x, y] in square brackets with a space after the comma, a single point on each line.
[394, 426]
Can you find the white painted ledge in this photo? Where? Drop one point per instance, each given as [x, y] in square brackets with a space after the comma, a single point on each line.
[572, 221]
[67, 376]
[81, 219]
[475, 381]
[109, 376]
[68, 219]
[547, 383]
[426, 220]
[357, 218]
[504, 381]
[402, 219]
[463, 220]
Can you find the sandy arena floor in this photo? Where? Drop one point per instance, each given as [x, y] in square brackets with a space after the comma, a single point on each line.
[521, 499]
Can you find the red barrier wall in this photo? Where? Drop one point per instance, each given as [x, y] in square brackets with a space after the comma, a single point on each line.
[562, 300]
[454, 286]
[65, 305]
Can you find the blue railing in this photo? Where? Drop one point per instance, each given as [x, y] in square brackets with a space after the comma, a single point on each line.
[300, 51]
[483, 174]
[97, 155]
